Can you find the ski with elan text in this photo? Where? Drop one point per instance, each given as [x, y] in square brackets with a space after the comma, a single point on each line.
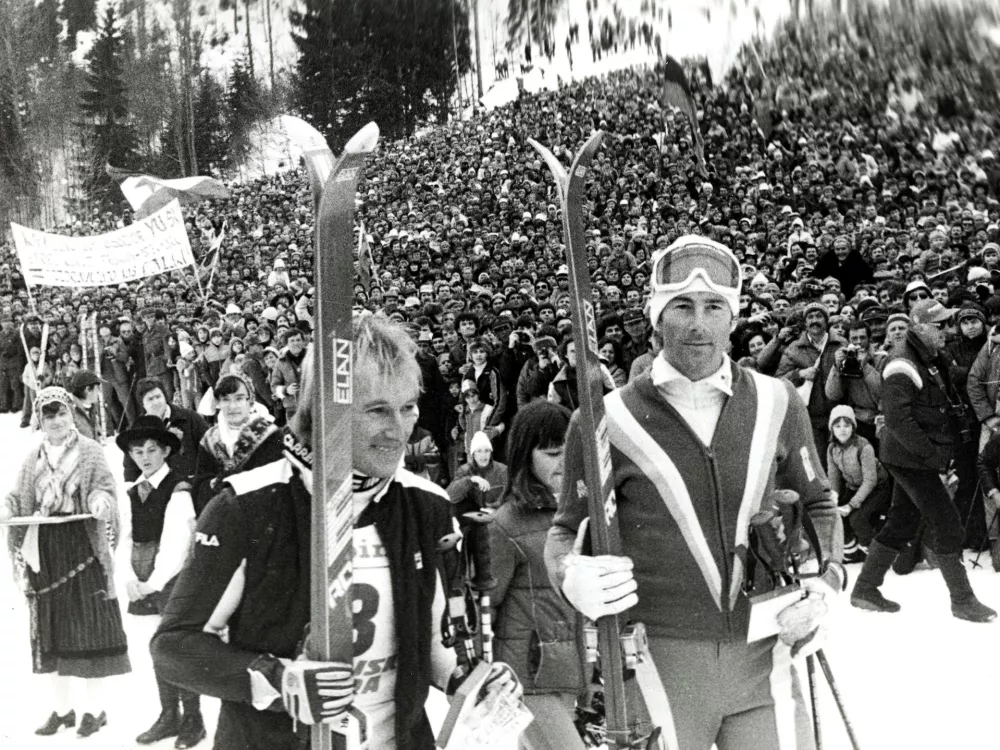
[332, 537]
[620, 646]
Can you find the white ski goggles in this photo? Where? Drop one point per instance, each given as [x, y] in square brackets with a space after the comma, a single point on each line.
[677, 266]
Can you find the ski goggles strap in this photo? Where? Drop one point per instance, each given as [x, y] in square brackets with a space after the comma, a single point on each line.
[678, 266]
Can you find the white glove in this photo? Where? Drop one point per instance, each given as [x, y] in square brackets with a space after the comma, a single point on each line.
[315, 692]
[804, 624]
[598, 586]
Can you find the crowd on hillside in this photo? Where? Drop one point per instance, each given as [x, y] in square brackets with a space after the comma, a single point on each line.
[853, 170]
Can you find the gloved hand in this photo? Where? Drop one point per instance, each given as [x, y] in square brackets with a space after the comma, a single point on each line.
[137, 590]
[315, 692]
[803, 624]
[598, 586]
[502, 679]
[845, 510]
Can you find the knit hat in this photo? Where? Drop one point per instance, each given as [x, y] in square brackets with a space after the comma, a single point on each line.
[971, 310]
[817, 307]
[186, 349]
[978, 273]
[480, 442]
[897, 316]
[52, 394]
[843, 411]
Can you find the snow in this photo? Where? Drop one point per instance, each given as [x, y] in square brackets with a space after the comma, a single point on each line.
[917, 680]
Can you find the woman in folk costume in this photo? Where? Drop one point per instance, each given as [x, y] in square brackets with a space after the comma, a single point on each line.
[243, 438]
[76, 624]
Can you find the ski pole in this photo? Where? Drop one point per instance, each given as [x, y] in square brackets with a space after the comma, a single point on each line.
[996, 514]
[478, 543]
[838, 699]
[813, 703]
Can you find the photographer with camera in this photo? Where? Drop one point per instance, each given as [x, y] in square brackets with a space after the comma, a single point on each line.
[807, 362]
[540, 370]
[855, 379]
[925, 426]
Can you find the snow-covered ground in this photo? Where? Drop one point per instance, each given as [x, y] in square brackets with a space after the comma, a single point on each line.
[918, 680]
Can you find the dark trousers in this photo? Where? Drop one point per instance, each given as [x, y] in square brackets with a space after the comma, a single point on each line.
[11, 390]
[920, 493]
[865, 522]
[173, 697]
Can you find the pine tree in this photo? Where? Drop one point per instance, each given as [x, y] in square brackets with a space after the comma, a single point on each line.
[210, 132]
[243, 108]
[379, 60]
[108, 135]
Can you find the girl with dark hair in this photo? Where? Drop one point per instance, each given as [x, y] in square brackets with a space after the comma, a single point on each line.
[241, 439]
[537, 632]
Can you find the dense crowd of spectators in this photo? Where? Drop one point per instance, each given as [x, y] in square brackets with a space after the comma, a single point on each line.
[852, 168]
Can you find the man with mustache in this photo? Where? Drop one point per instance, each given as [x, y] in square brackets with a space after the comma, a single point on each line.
[809, 359]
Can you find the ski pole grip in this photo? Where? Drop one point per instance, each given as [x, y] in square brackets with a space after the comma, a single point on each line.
[450, 563]
[478, 539]
[764, 523]
[790, 507]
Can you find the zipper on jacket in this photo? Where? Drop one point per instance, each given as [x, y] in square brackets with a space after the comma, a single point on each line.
[720, 528]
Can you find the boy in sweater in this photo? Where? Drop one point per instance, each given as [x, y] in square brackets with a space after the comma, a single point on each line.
[162, 529]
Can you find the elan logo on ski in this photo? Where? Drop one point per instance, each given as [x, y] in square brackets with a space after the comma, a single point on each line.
[342, 371]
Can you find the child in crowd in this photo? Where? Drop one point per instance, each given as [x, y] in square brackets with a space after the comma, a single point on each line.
[163, 522]
[858, 480]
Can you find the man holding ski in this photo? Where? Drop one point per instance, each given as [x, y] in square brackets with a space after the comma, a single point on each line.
[698, 445]
[249, 575]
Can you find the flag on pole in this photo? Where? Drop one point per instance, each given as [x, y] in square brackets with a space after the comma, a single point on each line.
[206, 269]
[147, 194]
[677, 93]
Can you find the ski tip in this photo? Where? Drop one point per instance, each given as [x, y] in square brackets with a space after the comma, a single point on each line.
[364, 140]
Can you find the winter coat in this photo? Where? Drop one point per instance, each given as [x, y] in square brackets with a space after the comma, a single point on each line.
[919, 432]
[260, 376]
[562, 390]
[466, 496]
[533, 382]
[492, 392]
[862, 394]
[156, 349]
[983, 381]
[537, 632]
[422, 456]
[852, 272]
[802, 354]
[259, 444]
[285, 373]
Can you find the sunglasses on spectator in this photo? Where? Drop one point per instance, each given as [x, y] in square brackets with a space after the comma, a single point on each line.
[914, 296]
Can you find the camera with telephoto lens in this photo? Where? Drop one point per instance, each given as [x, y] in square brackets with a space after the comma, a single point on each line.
[851, 366]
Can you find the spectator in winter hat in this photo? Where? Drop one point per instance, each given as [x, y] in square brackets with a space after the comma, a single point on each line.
[808, 360]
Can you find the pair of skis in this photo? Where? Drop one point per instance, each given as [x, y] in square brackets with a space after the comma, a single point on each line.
[334, 186]
[619, 647]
